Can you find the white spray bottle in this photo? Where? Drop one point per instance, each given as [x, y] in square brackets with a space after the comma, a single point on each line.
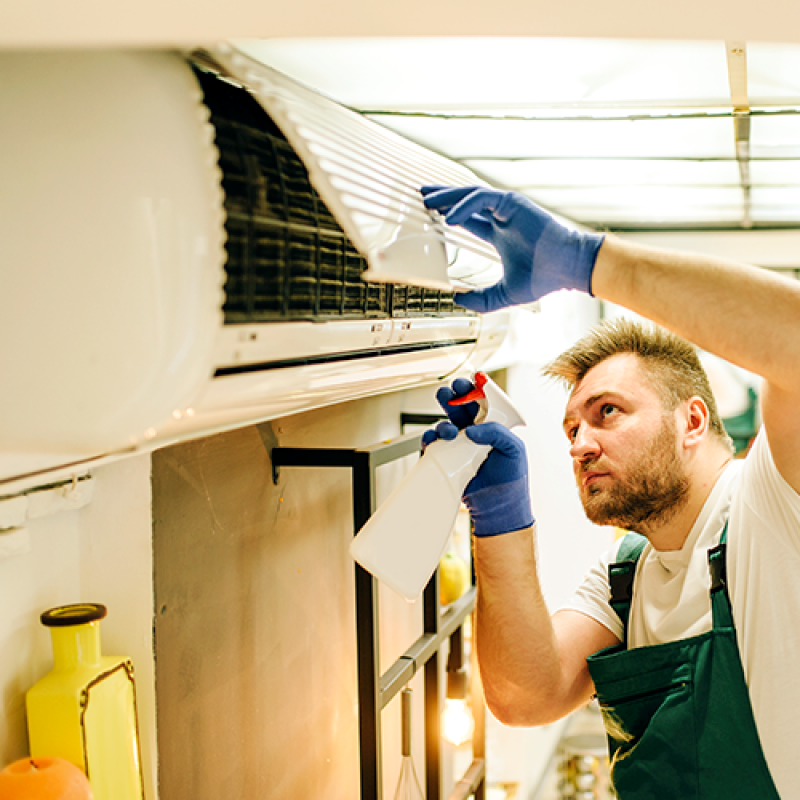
[403, 541]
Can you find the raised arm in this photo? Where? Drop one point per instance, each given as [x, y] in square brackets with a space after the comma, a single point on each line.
[749, 316]
[746, 315]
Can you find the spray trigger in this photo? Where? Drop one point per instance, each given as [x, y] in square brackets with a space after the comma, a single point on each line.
[477, 394]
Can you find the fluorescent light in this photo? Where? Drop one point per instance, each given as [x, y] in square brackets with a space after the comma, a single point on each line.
[776, 173]
[773, 73]
[587, 172]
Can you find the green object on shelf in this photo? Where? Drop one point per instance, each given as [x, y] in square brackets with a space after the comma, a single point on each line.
[742, 428]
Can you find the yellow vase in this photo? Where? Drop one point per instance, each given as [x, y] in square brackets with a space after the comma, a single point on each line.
[84, 710]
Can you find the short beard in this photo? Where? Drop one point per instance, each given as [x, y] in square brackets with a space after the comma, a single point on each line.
[653, 492]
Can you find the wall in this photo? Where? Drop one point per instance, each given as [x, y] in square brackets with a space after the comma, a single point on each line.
[255, 627]
[255, 635]
[100, 553]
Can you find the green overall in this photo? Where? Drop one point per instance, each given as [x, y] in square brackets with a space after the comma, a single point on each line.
[678, 715]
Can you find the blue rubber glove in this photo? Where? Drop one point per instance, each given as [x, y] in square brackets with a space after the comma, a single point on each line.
[498, 497]
[539, 254]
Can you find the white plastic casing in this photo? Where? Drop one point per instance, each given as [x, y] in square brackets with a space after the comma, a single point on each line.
[111, 247]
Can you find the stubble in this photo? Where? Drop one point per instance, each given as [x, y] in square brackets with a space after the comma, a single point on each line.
[654, 490]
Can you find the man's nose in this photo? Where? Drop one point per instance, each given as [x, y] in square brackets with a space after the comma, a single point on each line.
[584, 444]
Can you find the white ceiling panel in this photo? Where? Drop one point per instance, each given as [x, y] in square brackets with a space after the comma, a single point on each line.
[774, 196]
[678, 197]
[775, 136]
[655, 216]
[469, 73]
[470, 138]
[787, 213]
[662, 203]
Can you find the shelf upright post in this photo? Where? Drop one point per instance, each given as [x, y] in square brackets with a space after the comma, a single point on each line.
[368, 656]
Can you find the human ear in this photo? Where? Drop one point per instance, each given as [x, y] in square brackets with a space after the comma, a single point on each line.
[696, 418]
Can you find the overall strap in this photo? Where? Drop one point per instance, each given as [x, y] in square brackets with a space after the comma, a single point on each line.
[720, 600]
[621, 575]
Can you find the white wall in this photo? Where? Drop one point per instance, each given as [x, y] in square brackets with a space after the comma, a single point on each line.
[777, 249]
[101, 553]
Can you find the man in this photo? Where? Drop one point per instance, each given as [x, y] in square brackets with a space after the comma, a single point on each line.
[697, 703]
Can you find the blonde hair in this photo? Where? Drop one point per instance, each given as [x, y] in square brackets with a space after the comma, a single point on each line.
[670, 361]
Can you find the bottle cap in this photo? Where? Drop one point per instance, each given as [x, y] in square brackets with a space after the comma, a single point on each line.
[75, 614]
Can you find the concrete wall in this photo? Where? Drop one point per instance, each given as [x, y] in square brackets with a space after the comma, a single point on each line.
[255, 625]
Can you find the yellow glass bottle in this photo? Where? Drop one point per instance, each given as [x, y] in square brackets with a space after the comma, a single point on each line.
[84, 709]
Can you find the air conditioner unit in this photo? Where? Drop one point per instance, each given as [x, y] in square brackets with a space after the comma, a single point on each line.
[195, 242]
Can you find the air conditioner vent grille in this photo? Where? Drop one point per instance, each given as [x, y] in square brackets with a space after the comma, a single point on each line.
[287, 257]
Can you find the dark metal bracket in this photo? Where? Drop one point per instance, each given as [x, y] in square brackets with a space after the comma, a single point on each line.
[376, 690]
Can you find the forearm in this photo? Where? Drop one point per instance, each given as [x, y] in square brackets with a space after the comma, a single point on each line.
[746, 315]
[518, 652]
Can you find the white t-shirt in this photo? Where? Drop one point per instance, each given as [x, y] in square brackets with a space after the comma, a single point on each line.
[671, 596]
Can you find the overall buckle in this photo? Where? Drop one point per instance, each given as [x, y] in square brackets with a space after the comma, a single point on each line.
[716, 566]
[620, 577]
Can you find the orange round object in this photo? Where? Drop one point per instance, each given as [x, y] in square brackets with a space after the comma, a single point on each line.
[43, 778]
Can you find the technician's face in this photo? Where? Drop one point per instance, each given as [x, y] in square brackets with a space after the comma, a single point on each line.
[624, 447]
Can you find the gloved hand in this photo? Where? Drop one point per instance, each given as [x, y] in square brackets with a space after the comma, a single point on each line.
[539, 254]
[498, 497]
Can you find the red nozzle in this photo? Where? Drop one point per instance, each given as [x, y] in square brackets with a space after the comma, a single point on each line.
[477, 393]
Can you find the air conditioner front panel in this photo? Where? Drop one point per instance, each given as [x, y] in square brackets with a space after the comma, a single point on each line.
[246, 348]
[288, 256]
[248, 397]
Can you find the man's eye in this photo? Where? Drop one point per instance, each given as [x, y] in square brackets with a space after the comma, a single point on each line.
[608, 409]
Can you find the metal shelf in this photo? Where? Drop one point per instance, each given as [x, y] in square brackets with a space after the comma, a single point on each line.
[376, 689]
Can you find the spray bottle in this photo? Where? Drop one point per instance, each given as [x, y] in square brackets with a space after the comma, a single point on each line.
[403, 541]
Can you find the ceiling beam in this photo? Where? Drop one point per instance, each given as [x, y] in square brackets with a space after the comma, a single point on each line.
[736, 53]
[188, 23]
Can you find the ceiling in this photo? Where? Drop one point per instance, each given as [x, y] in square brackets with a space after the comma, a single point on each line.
[626, 135]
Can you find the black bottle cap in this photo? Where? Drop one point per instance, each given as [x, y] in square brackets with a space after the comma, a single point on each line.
[75, 614]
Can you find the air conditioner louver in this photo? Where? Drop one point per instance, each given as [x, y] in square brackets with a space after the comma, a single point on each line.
[369, 177]
[287, 256]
